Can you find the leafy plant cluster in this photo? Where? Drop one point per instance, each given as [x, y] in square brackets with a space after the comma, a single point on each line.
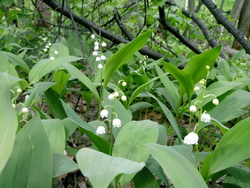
[53, 99]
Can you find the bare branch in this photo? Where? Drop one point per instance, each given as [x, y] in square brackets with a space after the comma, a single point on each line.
[221, 19]
[175, 32]
[93, 27]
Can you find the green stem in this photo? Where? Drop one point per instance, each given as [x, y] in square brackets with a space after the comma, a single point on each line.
[198, 157]
[111, 130]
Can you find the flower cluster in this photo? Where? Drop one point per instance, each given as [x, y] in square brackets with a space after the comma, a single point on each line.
[192, 137]
[115, 95]
[96, 51]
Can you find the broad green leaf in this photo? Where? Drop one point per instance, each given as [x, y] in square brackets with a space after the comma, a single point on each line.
[30, 164]
[131, 140]
[62, 164]
[61, 78]
[102, 144]
[56, 134]
[43, 67]
[139, 105]
[241, 175]
[7, 3]
[82, 78]
[145, 179]
[171, 91]
[8, 117]
[69, 127]
[238, 55]
[6, 66]
[196, 66]
[231, 106]
[53, 101]
[17, 61]
[155, 167]
[175, 166]
[62, 50]
[224, 69]
[13, 79]
[184, 79]
[101, 169]
[123, 55]
[233, 148]
[217, 89]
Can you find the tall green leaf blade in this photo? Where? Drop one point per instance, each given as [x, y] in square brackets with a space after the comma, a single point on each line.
[184, 79]
[168, 114]
[172, 94]
[123, 55]
[8, 117]
[30, 164]
[233, 148]
[43, 67]
[142, 87]
[82, 78]
[101, 169]
[196, 66]
[130, 143]
[175, 166]
[53, 101]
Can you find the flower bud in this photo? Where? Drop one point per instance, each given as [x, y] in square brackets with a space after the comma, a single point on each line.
[124, 84]
[196, 88]
[202, 82]
[25, 110]
[19, 90]
[215, 101]
[124, 98]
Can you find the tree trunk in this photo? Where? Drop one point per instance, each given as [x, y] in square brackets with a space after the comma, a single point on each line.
[44, 11]
[191, 6]
[235, 13]
[21, 3]
[244, 23]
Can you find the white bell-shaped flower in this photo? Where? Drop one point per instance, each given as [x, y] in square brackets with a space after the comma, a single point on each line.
[111, 97]
[191, 138]
[100, 130]
[104, 113]
[205, 117]
[117, 122]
